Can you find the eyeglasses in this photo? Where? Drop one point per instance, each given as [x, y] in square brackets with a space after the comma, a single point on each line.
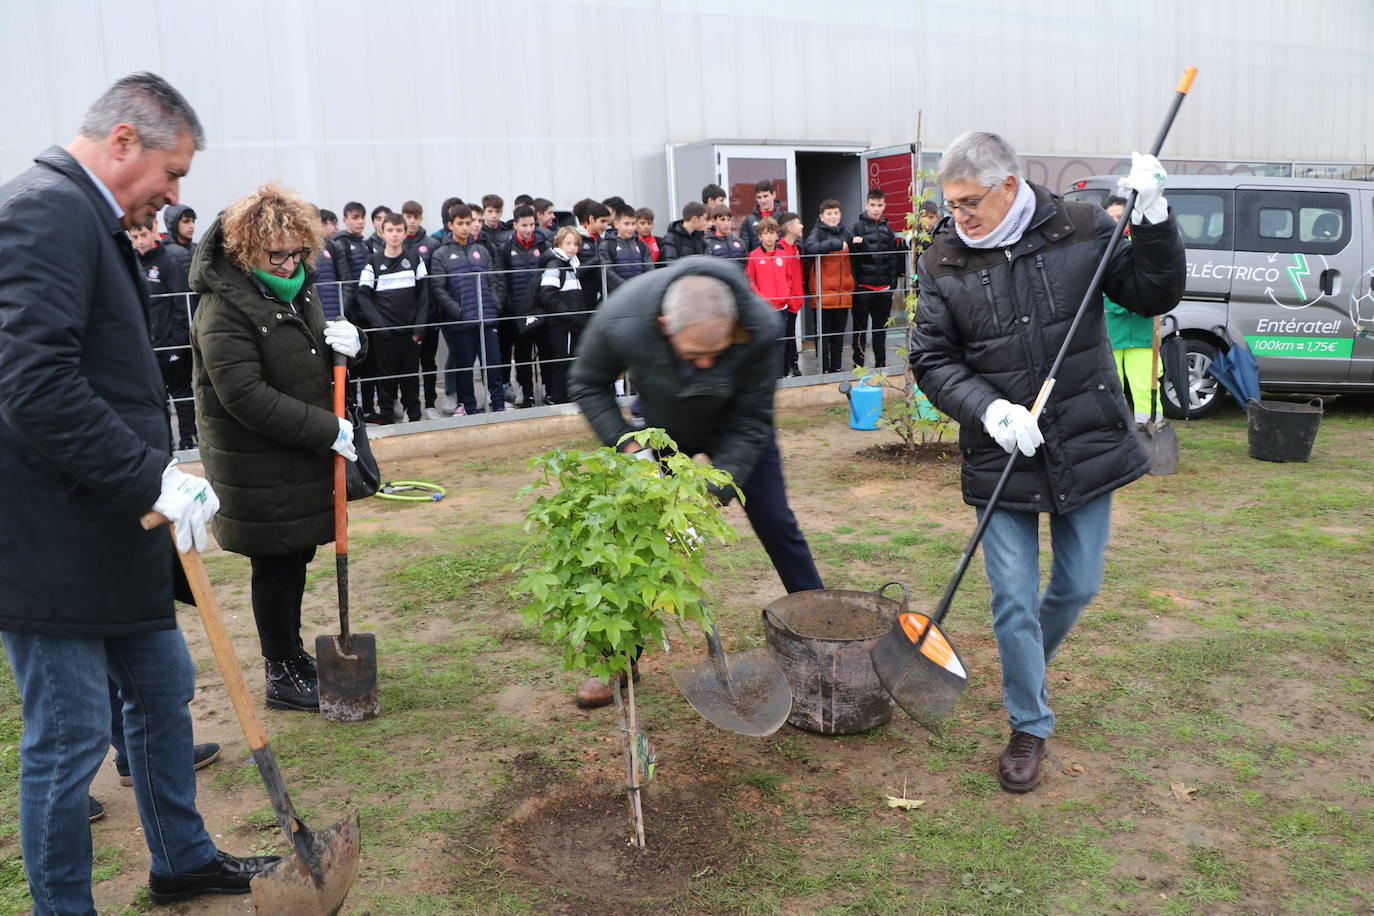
[278, 258]
[968, 208]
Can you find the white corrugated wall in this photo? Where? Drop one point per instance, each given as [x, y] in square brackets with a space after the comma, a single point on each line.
[384, 101]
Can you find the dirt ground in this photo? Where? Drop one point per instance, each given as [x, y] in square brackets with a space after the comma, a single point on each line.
[1175, 784]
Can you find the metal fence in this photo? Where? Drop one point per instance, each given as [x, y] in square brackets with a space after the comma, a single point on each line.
[824, 341]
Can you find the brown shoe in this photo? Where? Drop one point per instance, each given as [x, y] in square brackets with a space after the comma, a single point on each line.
[1019, 767]
[594, 692]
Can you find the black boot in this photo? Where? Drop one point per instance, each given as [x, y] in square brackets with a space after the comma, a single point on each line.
[307, 662]
[291, 685]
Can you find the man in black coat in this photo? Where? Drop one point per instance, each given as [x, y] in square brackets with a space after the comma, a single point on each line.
[998, 294]
[700, 347]
[85, 592]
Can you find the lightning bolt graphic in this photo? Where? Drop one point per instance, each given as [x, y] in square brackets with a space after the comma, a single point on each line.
[1299, 269]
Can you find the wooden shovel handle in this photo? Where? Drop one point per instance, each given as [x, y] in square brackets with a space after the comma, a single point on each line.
[340, 469]
[220, 643]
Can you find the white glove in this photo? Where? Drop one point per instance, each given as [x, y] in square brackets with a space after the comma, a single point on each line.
[188, 503]
[344, 443]
[1147, 179]
[343, 337]
[1013, 427]
[646, 454]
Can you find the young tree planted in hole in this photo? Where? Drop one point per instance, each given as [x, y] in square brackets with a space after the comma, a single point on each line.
[614, 553]
[910, 414]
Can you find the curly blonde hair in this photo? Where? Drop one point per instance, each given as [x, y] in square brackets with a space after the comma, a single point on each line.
[271, 212]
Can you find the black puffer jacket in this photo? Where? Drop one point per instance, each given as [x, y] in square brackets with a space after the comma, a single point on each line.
[263, 408]
[679, 243]
[879, 259]
[989, 324]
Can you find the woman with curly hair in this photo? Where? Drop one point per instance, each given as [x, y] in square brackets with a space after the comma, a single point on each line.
[262, 359]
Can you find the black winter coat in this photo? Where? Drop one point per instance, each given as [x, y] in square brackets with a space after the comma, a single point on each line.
[327, 280]
[462, 286]
[519, 265]
[748, 228]
[352, 252]
[989, 325]
[725, 411]
[263, 385]
[626, 258]
[559, 293]
[730, 247]
[879, 260]
[679, 243]
[169, 315]
[83, 416]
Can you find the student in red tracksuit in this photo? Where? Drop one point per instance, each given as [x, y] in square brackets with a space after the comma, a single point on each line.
[791, 229]
[771, 276]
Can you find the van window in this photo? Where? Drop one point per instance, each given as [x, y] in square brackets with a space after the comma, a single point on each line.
[1275, 224]
[1203, 217]
[1306, 222]
[1091, 195]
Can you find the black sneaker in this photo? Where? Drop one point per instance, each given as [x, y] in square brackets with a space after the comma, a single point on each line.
[225, 874]
[94, 808]
[290, 685]
[202, 755]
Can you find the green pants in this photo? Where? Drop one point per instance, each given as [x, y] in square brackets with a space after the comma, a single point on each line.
[1133, 365]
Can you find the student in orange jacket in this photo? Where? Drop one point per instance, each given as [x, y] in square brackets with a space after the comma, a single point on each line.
[772, 276]
[834, 283]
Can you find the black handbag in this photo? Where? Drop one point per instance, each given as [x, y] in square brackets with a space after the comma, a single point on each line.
[364, 477]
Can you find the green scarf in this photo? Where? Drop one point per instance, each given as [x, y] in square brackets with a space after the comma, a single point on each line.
[284, 288]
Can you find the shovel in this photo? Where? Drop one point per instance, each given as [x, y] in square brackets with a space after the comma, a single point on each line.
[1161, 442]
[747, 693]
[915, 660]
[317, 875]
[347, 663]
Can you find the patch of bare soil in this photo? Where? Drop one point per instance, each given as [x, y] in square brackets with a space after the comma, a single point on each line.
[923, 453]
[577, 840]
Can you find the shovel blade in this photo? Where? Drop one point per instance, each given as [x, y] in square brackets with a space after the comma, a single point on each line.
[296, 886]
[1161, 443]
[755, 699]
[926, 680]
[348, 680]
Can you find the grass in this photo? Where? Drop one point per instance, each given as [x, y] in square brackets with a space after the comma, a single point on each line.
[1228, 651]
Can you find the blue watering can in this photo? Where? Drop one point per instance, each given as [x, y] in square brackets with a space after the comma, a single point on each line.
[865, 403]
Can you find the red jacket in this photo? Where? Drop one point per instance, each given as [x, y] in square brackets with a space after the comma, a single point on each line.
[776, 276]
[794, 267]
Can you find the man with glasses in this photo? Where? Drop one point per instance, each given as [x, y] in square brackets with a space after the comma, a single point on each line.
[998, 294]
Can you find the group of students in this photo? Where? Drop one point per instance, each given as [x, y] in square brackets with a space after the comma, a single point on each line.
[510, 295]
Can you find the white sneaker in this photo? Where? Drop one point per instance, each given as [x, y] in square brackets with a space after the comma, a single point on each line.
[434, 413]
[448, 403]
[459, 411]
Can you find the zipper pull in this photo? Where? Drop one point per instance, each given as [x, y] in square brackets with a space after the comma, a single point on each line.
[1007, 252]
[1039, 262]
[983, 275]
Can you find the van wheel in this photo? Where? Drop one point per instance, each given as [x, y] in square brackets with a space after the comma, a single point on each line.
[1204, 392]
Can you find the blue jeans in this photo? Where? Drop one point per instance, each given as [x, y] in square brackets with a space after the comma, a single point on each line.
[64, 687]
[1030, 625]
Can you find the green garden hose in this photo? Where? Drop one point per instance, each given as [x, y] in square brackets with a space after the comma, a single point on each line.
[411, 491]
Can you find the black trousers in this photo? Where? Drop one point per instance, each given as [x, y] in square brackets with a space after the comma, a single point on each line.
[765, 503]
[507, 334]
[429, 370]
[176, 376]
[367, 373]
[554, 362]
[833, 324]
[787, 345]
[278, 584]
[526, 351]
[397, 360]
[871, 307]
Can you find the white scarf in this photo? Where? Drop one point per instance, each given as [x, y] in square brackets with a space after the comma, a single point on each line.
[1009, 230]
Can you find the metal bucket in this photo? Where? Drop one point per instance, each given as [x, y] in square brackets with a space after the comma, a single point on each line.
[822, 639]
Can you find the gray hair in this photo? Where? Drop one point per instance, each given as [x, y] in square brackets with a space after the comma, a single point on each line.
[696, 298]
[980, 157]
[151, 105]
